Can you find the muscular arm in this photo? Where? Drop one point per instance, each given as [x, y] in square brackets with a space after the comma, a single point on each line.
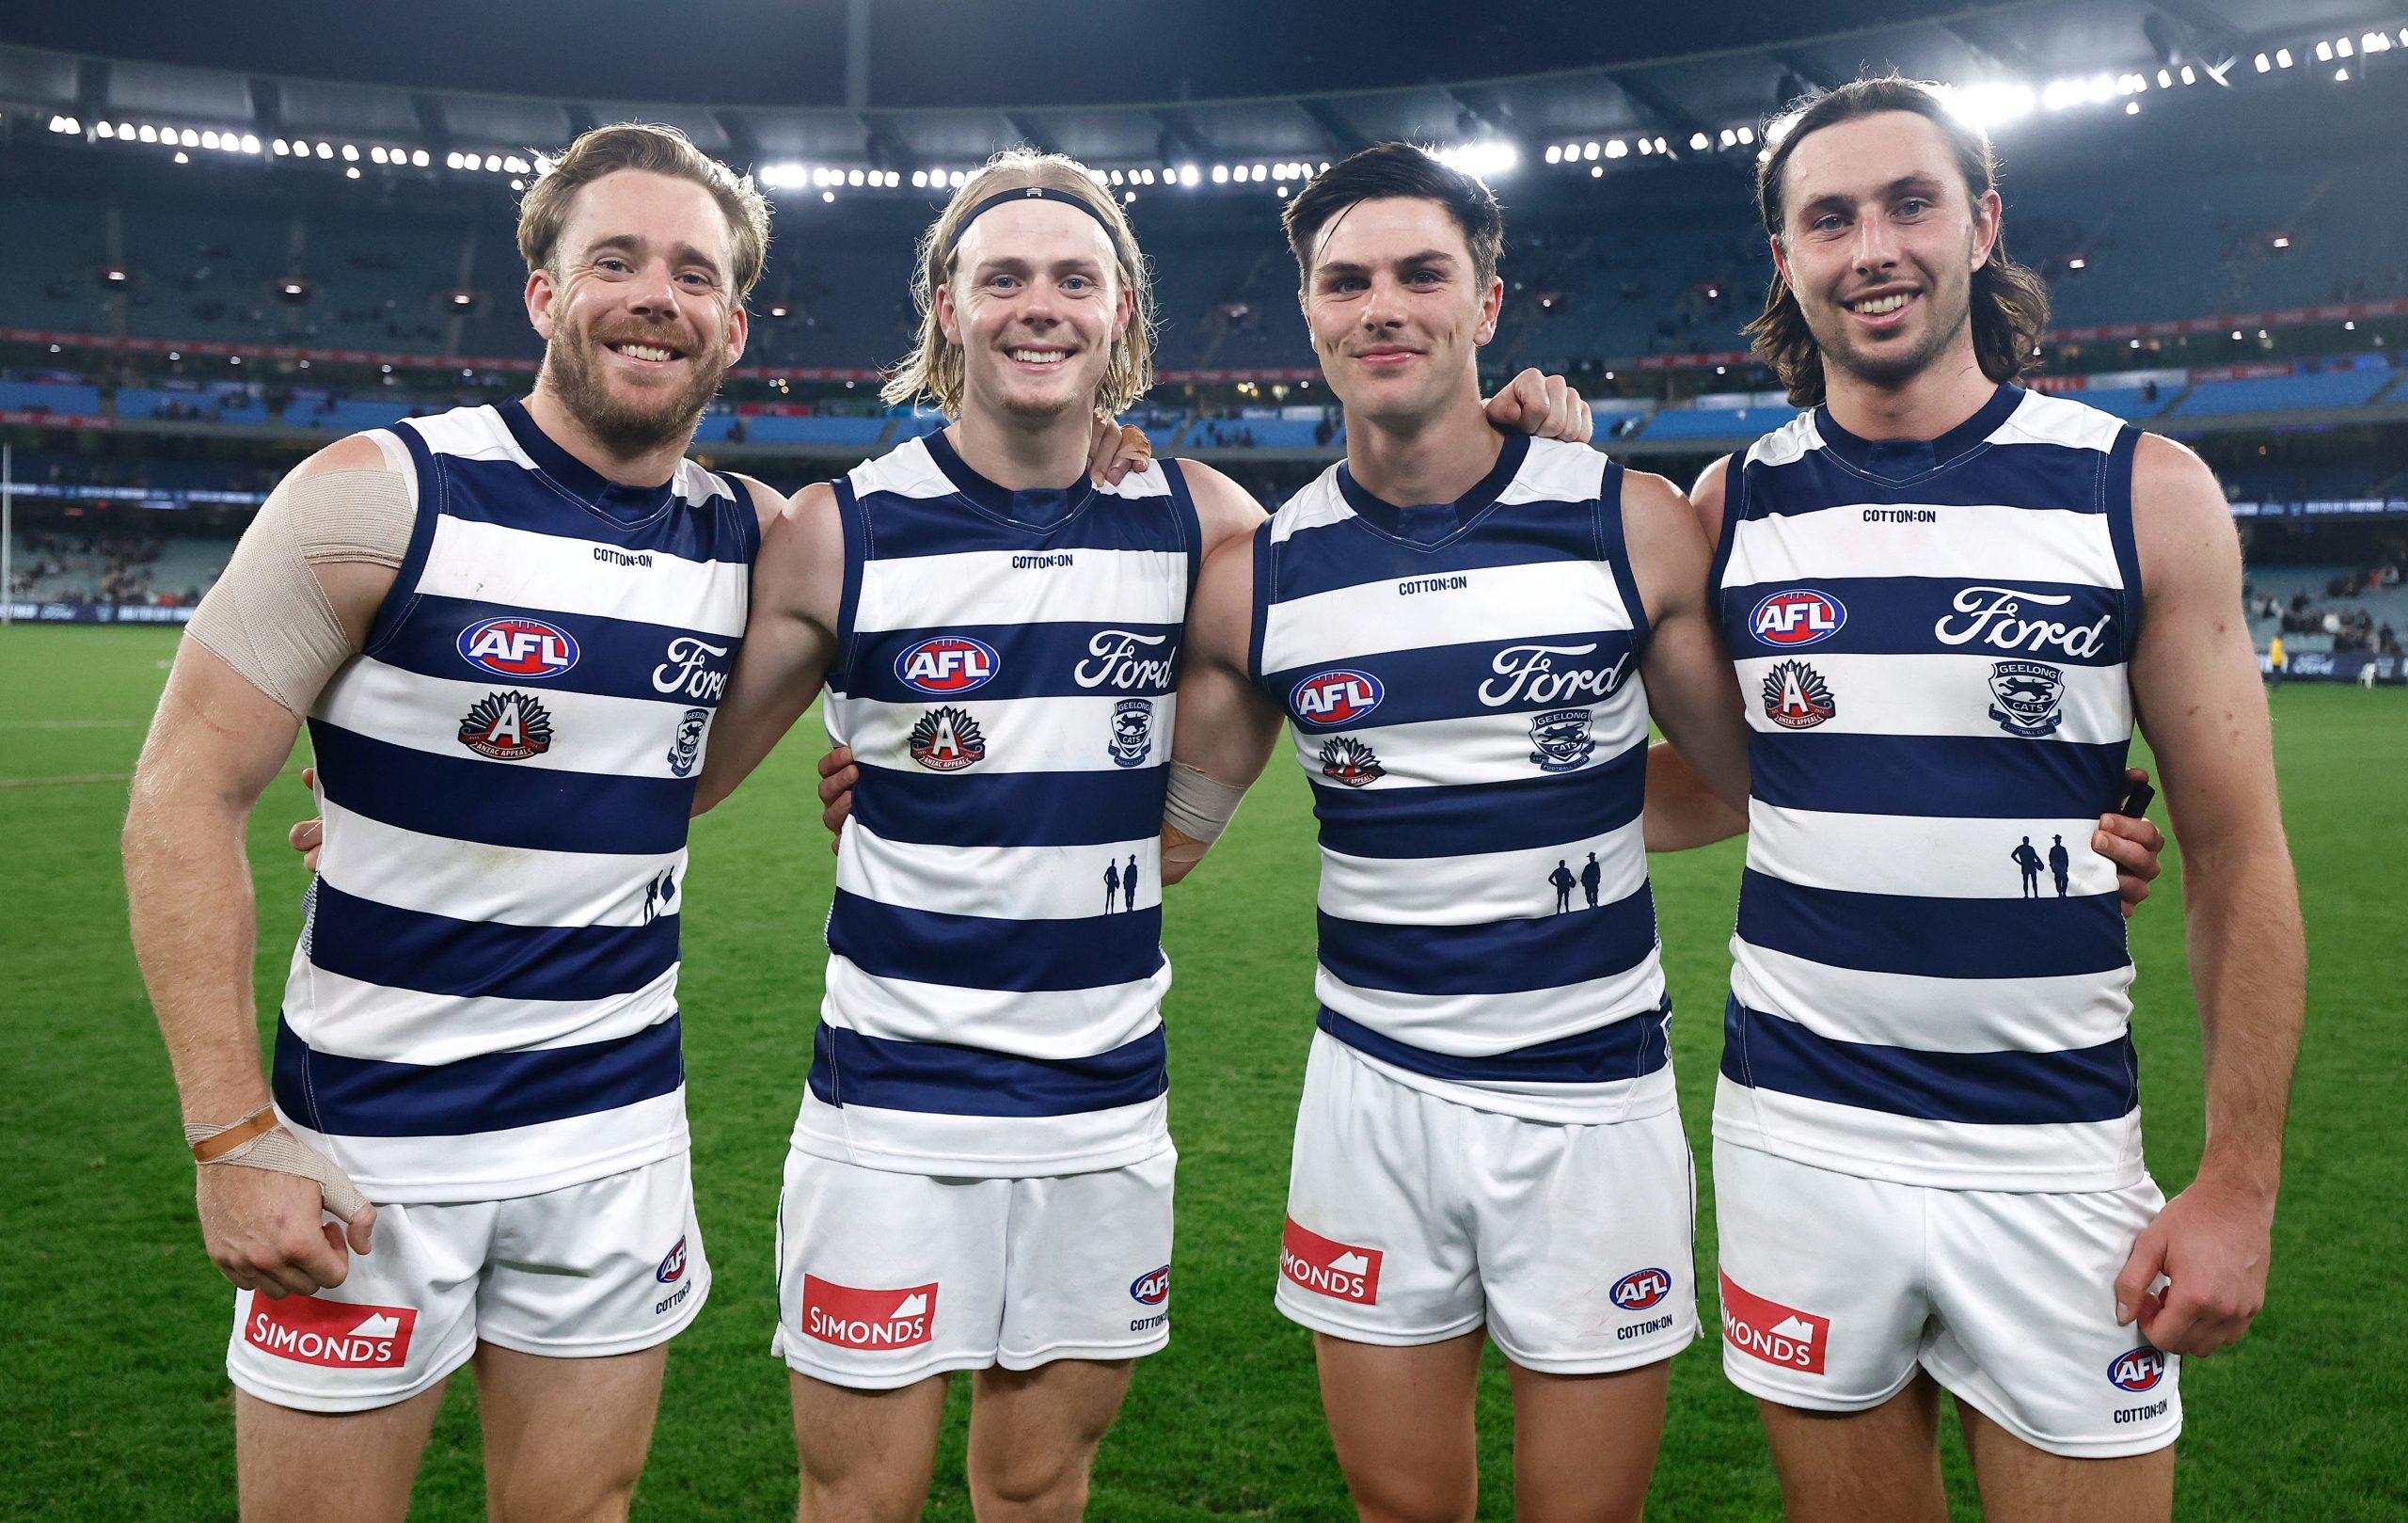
[1691, 691]
[1226, 726]
[790, 635]
[2195, 681]
[1684, 810]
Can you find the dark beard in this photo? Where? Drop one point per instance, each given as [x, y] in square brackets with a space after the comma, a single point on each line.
[1889, 369]
[626, 432]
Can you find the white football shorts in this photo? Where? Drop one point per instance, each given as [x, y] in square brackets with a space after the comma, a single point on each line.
[1413, 1219]
[610, 1266]
[885, 1278]
[1835, 1287]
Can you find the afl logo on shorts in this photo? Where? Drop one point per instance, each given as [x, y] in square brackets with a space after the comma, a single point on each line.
[673, 1267]
[2139, 1369]
[1639, 1290]
[1800, 616]
[1153, 1288]
[1334, 698]
[948, 664]
[528, 649]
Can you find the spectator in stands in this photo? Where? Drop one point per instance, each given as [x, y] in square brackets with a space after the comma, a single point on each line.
[2275, 663]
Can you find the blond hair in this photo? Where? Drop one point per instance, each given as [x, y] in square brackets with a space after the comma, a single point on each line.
[654, 150]
[935, 367]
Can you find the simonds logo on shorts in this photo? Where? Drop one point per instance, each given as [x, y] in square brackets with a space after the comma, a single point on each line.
[339, 1335]
[1774, 1333]
[850, 1318]
[1338, 1270]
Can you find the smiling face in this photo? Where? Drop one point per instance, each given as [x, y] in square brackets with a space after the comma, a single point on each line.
[638, 315]
[1035, 303]
[1879, 241]
[1397, 309]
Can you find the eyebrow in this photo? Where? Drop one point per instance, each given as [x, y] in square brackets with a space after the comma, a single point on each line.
[1426, 257]
[629, 242]
[1917, 180]
[1013, 263]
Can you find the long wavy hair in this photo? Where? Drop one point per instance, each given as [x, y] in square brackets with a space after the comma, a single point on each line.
[2010, 304]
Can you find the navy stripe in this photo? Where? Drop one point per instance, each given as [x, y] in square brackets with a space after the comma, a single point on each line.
[1935, 937]
[1613, 547]
[1265, 582]
[2058, 476]
[359, 1097]
[465, 798]
[1012, 808]
[850, 1069]
[1547, 951]
[1734, 510]
[1905, 616]
[1947, 777]
[401, 596]
[984, 952]
[848, 514]
[1349, 553]
[396, 948]
[657, 521]
[1031, 661]
[2084, 1083]
[904, 528]
[1191, 528]
[1445, 682]
[1472, 818]
[2119, 529]
[1629, 1048]
[616, 657]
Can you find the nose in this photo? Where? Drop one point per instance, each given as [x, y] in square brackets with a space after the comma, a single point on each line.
[1876, 243]
[651, 291]
[1385, 305]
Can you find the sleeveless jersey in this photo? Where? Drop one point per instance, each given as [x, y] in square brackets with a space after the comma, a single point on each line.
[484, 1001]
[1462, 682]
[1003, 674]
[1930, 983]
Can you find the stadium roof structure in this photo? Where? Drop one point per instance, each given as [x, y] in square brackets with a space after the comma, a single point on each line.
[2010, 57]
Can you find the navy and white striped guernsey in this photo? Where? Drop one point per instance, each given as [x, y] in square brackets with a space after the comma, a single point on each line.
[483, 1000]
[1004, 673]
[1930, 983]
[1462, 681]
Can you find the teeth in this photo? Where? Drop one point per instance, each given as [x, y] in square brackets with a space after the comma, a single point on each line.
[1883, 303]
[642, 351]
[1037, 356]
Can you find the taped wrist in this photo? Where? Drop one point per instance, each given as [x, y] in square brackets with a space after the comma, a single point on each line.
[1197, 806]
[279, 1152]
[268, 617]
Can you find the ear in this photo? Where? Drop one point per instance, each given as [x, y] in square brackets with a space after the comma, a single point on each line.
[1492, 302]
[948, 318]
[739, 329]
[542, 291]
[1781, 262]
[1988, 214]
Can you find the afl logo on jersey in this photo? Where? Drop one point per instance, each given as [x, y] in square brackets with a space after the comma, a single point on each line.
[1641, 1289]
[948, 664]
[528, 649]
[1800, 616]
[673, 1264]
[2139, 1369]
[1153, 1288]
[1334, 698]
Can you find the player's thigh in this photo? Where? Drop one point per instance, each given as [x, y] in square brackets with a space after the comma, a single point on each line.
[1400, 1421]
[886, 1278]
[1877, 1462]
[2026, 1332]
[287, 1460]
[1033, 1434]
[1088, 1265]
[1377, 1247]
[566, 1439]
[865, 1456]
[1584, 1445]
[607, 1267]
[2021, 1483]
[1585, 1239]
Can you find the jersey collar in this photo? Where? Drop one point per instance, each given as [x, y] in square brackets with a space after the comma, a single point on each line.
[1039, 508]
[625, 505]
[1898, 460]
[1428, 523]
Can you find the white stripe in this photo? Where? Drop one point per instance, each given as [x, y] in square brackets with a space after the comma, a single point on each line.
[1934, 1015]
[1530, 601]
[1984, 544]
[1787, 443]
[983, 1147]
[1942, 857]
[590, 733]
[1474, 890]
[514, 1162]
[906, 470]
[507, 885]
[470, 433]
[1944, 695]
[1558, 471]
[1944, 1155]
[351, 1019]
[1049, 1024]
[1021, 734]
[2041, 418]
[1483, 1026]
[495, 564]
[1316, 504]
[1003, 883]
[1482, 748]
[935, 592]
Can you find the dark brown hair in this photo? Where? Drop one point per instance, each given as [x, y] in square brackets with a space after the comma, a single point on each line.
[654, 150]
[2010, 305]
[1386, 170]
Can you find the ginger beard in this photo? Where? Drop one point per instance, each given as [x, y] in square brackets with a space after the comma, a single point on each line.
[635, 418]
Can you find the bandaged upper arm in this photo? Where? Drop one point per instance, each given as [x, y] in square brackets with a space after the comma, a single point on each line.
[269, 617]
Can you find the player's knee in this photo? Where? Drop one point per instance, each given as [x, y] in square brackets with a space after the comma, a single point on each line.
[599, 1491]
[1034, 1482]
[1400, 1498]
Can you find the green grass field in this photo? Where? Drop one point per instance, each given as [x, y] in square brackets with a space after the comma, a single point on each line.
[115, 1325]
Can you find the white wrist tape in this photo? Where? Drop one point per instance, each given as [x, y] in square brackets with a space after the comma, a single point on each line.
[1197, 806]
[279, 1152]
